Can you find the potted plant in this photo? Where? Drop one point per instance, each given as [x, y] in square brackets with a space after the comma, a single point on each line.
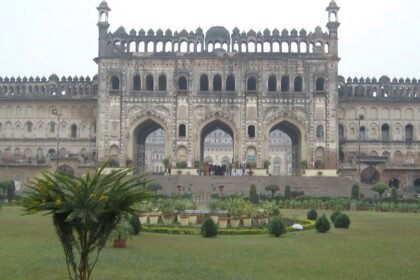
[213, 207]
[144, 208]
[168, 209]
[248, 210]
[271, 209]
[235, 209]
[120, 234]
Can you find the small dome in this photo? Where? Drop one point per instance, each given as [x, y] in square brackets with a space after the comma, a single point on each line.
[218, 33]
[104, 6]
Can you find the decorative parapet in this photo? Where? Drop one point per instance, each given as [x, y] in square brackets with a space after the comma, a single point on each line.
[383, 89]
[41, 88]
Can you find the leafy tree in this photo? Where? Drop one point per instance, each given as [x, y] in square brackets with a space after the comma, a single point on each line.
[85, 210]
[253, 196]
[355, 191]
[380, 188]
[288, 192]
[135, 224]
[312, 215]
[272, 188]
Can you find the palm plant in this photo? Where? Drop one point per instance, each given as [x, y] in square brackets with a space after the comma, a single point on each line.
[85, 210]
[271, 208]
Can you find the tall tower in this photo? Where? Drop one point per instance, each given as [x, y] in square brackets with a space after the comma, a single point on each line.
[332, 26]
[103, 26]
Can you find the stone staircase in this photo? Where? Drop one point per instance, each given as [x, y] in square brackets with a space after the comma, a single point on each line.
[203, 186]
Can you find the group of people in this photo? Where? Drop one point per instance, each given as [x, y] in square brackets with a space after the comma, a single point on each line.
[223, 170]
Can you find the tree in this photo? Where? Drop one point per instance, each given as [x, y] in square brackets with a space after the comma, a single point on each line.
[380, 188]
[355, 192]
[85, 210]
[272, 188]
[253, 196]
[288, 192]
[154, 187]
[8, 187]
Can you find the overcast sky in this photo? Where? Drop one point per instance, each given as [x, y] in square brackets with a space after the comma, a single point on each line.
[41, 37]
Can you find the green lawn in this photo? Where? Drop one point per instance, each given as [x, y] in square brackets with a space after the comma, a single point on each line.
[377, 246]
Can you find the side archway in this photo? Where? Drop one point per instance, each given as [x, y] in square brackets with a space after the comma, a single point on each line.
[370, 176]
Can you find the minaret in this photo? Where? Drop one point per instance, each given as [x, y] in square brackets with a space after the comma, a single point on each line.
[103, 26]
[332, 26]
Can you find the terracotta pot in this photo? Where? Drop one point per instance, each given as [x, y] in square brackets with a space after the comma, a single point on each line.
[192, 219]
[247, 222]
[223, 222]
[143, 219]
[120, 243]
[183, 220]
[215, 218]
[234, 222]
[168, 219]
[153, 219]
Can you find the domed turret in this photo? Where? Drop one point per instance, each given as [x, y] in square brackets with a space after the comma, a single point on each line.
[217, 34]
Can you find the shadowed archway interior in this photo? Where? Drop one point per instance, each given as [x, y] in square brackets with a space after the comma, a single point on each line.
[294, 133]
[141, 133]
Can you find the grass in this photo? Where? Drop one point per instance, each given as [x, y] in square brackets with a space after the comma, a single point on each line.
[377, 246]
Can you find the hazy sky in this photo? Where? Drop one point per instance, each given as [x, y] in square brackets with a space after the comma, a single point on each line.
[41, 37]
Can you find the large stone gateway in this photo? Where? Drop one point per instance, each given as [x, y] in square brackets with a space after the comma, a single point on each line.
[246, 84]
[240, 98]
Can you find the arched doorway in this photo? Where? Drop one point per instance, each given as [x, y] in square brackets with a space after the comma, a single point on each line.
[284, 143]
[66, 169]
[370, 176]
[149, 147]
[217, 143]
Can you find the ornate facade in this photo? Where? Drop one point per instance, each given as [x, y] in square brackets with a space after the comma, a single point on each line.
[189, 84]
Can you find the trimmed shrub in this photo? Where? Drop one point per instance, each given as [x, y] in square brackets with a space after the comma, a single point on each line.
[322, 225]
[312, 215]
[342, 221]
[355, 192]
[394, 195]
[253, 196]
[288, 192]
[209, 228]
[276, 227]
[334, 215]
[135, 224]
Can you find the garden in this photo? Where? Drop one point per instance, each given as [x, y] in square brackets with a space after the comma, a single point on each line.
[96, 215]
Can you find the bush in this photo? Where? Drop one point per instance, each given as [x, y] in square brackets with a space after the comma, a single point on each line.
[276, 227]
[135, 224]
[355, 192]
[322, 225]
[272, 188]
[209, 228]
[312, 215]
[334, 215]
[342, 221]
[253, 196]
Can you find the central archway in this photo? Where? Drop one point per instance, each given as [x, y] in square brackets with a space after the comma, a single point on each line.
[284, 146]
[210, 128]
[148, 147]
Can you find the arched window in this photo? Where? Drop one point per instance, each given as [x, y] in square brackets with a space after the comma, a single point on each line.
[320, 132]
[204, 83]
[182, 132]
[52, 127]
[285, 84]
[251, 131]
[298, 86]
[385, 132]
[73, 131]
[182, 83]
[252, 84]
[272, 83]
[320, 84]
[115, 83]
[29, 127]
[230, 83]
[162, 83]
[408, 132]
[136, 82]
[149, 83]
[217, 83]
[362, 134]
